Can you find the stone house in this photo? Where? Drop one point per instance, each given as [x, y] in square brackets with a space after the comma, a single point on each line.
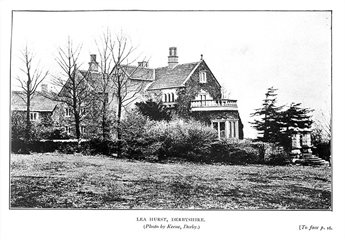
[41, 108]
[187, 90]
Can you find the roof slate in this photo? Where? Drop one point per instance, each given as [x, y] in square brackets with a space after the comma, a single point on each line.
[38, 103]
[139, 72]
[166, 77]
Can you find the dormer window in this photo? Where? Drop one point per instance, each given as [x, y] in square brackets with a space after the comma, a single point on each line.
[202, 77]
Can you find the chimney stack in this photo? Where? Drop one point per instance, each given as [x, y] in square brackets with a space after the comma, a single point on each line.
[143, 64]
[93, 64]
[172, 58]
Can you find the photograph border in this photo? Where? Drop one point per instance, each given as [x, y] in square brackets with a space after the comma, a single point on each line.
[331, 209]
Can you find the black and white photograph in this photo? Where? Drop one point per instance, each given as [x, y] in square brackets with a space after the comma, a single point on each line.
[128, 115]
[178, 113]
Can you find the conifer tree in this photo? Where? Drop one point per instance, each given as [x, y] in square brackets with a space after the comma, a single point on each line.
[268, 123]
[153, 110]
[295, 118]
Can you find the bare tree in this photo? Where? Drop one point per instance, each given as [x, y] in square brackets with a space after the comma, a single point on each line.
[76, 92]
[226, 94]
[126, 88]
[104, 83]
[119, 75]
[324, 125]
[28, 84]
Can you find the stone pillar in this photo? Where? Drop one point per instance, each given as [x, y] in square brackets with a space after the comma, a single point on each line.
[227, 129]
[236, 135]
[306, 142]
[295, 146]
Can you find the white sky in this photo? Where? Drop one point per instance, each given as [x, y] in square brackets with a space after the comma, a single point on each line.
[246, 51]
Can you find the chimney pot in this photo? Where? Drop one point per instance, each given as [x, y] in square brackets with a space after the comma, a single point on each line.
[172, 58]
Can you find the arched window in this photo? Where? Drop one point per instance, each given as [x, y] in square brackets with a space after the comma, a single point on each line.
[169, 97]
[172, 97]
[165, 97]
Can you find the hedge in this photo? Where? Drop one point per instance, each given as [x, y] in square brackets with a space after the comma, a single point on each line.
[90, 147]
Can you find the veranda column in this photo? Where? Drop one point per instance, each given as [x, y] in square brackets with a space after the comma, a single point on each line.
[227, 129]
[236, 130]
[232, 129]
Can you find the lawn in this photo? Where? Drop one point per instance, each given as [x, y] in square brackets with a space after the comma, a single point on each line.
[75, 181]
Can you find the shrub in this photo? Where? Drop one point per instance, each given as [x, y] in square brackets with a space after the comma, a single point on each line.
[323, 150]
[92, 147]
[278, 156]
[157, 140]
[180, 139]
[230, 152]
[247, 152]
[19, 146]
[17, 128]
[98, 146]
[133, 132]
[264, 150]
[50, 133]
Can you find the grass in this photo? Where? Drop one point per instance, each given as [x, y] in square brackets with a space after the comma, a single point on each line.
[75, 181]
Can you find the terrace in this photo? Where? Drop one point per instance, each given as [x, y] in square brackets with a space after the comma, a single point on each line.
[214, 105]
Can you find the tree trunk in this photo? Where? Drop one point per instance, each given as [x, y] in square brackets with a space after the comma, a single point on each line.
[119, 110]
[28, 122]
[104, 119]
[119, 137]
[77, 129]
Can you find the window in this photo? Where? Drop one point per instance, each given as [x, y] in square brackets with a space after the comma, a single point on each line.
[203, 99]
[202, 76]
[68, 129]
[82, 129]
[222, 129]
[33, 116]
[169, 97]
[68, 112]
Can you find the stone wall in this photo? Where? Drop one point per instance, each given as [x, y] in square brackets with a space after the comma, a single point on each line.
[193, 87]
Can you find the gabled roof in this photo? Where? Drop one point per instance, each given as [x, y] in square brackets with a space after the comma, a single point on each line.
[167, 77]
[38, 103]
[156, 78]
[140, 78]
[138, 73]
